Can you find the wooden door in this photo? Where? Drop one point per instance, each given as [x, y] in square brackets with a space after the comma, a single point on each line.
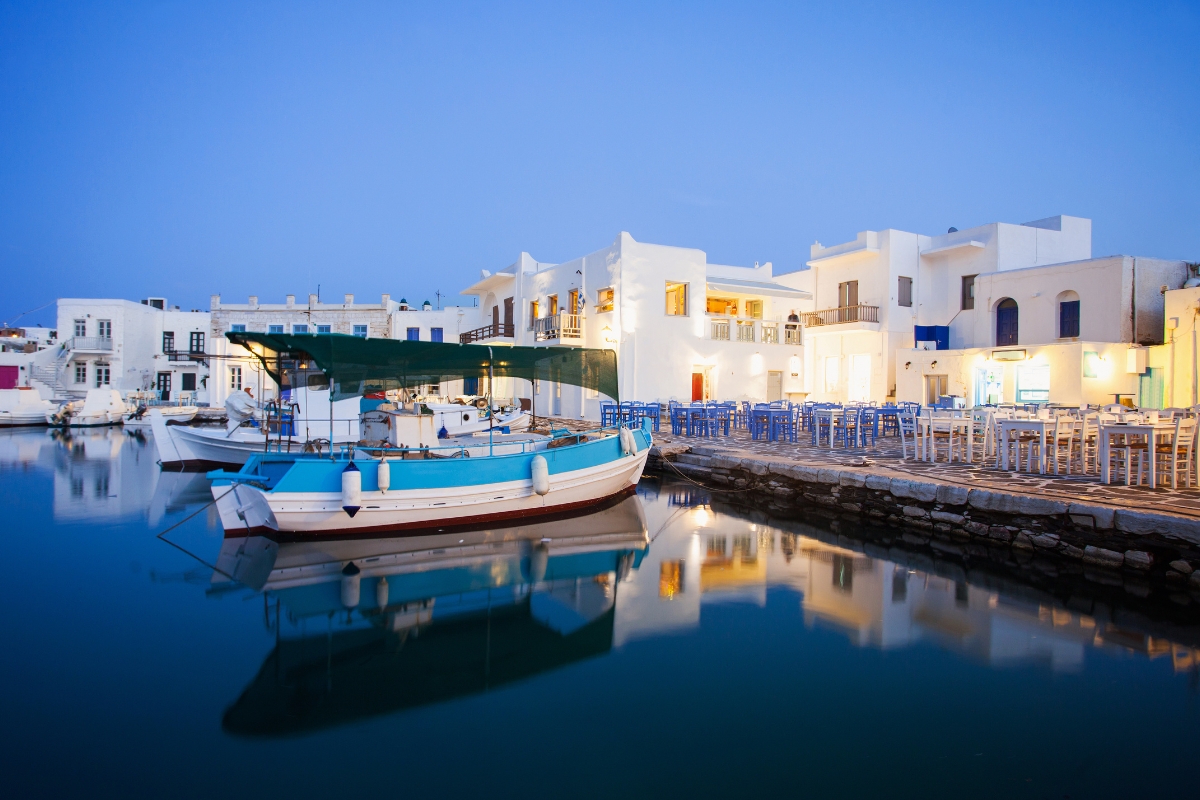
[9, 376]
[1006, 322]
[774, 386]
[697, 386]
[163, 385]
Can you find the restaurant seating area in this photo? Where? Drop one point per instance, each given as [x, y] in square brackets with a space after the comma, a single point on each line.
[1112, 444]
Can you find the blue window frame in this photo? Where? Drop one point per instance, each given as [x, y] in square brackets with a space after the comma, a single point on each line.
[274, 329]
[414, 334]
[299, 329]
[1068, 319]
[360, 331]
[324, 329]
[237, 328]
[435, 334]
[470, 385]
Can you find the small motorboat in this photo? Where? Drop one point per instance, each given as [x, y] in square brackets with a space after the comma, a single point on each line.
[100, 407]
[23, 406]
[139, 418]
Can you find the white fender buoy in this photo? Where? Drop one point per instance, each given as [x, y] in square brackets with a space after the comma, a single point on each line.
[628, 443]
[381, 593]
[351, 489]
[384, 475]
[351, 585]
[541, 475]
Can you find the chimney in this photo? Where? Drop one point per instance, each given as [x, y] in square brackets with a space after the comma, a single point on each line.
[349, 300]
[387, 298]
[312, 300]
[254, 301]
[291, 300]
[214, 302]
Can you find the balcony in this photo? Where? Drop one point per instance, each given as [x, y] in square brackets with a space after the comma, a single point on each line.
[837, 316]
[90, 344]
[724, 329]
[558, 326]
[497, 330]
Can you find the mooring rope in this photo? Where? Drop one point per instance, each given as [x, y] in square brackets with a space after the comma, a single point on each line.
[163, 536]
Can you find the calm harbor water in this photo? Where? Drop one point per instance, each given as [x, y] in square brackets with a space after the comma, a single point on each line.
[661, 646]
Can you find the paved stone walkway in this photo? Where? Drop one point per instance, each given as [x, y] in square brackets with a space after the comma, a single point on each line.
[885, 456]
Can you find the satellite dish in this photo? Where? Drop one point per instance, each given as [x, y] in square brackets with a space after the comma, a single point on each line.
[952, 230]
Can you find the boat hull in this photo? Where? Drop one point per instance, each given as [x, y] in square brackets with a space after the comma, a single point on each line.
[185, 446]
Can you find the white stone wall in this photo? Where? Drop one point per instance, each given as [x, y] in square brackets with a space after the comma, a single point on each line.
[657, 354]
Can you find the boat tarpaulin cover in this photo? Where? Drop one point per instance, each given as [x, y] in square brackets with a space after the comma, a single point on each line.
[356, 366]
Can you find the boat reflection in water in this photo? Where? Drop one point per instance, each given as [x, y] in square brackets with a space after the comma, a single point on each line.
[386, 624]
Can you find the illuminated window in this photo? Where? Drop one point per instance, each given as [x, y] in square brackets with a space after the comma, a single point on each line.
[754, 309]
[723, 306]
[677, 299]
[1033, 383]
[533, 312]
[604, 300]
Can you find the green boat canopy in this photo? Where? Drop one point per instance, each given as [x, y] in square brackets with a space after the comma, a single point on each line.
[356, 366]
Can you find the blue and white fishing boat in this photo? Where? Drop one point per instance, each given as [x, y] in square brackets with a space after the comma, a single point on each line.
[429, 484]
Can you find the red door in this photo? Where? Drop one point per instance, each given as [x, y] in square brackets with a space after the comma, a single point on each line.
[697, 386]
[8, 377]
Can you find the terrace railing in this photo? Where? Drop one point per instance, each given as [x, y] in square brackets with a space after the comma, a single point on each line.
[496, 330]
[836, 316]
[558, 326]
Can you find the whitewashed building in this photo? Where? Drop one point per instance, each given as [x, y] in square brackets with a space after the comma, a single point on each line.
[682, 328]
[131, 347]
[1022, 313]
[386, 319]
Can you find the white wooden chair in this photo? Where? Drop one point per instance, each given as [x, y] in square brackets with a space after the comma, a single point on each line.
[1177, 453]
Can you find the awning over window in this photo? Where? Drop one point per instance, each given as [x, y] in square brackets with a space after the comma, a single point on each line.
[756, 287]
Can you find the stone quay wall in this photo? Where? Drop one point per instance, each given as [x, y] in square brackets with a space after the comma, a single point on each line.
[950, 517]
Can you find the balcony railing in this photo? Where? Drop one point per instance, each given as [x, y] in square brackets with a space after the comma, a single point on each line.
[185, 355]
[745, 331]
[720, 329]
[494, 331]
[558, 326]
[101, 343]
[836, 316]
[791, 335]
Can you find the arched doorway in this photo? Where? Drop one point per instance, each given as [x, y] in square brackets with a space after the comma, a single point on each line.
[1006, 322]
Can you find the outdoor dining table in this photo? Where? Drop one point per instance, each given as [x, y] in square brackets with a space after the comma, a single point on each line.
[929, 424]
[773, 418]
[1150, 430]
[1042, 427]
[689, 415]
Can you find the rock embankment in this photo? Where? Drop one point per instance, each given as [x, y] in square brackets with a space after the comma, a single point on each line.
[950, 516]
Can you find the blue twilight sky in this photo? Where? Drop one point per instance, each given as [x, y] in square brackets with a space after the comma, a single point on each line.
[253, 148]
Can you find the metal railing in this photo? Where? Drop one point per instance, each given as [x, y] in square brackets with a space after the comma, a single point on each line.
[90, 343]
[493, 331]
[558, 326]
[835, 316]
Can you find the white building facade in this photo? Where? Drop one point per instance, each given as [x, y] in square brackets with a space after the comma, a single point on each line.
[682, 328]
[131, 347]
[235, 368]
[1023, 313]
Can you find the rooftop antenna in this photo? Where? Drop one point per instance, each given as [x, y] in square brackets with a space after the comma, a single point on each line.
[318, 292]
[438, 295]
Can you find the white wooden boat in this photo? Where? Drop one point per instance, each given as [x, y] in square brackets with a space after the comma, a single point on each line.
[139, 418]
[423, 490]
[23, 406]
[100, 407]
[425, 483]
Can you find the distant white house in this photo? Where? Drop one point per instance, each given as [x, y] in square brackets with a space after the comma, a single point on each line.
[1023, 313]
[131, 347]
[682, 328]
